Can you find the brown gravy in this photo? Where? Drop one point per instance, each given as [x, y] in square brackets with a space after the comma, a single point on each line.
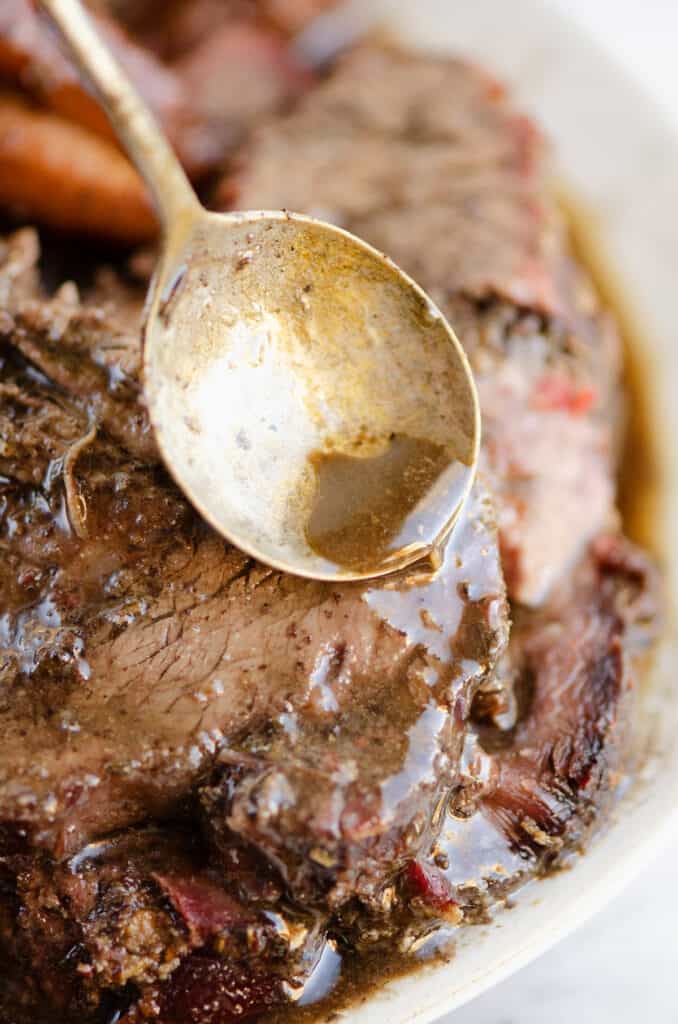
[639, 498]
[366, 509]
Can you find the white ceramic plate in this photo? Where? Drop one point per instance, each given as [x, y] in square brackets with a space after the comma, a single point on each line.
[620, 156]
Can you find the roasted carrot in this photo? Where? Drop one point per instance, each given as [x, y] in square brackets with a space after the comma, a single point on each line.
[60, 174]
[31, 58]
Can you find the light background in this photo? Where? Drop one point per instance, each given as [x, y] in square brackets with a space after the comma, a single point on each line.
[621, 968]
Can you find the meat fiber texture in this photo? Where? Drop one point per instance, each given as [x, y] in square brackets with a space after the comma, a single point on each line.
[212, 772]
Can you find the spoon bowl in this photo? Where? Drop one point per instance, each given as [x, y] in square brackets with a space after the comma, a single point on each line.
[275, 343]
[308, 397]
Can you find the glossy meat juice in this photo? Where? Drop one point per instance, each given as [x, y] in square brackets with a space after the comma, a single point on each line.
[366, 507]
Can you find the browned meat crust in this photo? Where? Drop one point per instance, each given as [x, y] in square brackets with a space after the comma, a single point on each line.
[133, 680]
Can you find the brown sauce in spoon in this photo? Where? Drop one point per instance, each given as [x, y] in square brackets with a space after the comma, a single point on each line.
[365, 508]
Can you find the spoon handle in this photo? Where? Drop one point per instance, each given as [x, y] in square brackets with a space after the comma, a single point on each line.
[133, 122]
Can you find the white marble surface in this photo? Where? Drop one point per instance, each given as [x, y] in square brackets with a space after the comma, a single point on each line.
[622, 967]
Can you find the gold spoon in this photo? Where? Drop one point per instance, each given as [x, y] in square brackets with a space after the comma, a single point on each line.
[307, 396]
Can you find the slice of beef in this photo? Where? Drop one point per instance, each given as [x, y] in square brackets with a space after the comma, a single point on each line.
[550, 779]
[141, 645]
[339, 794]
[551, 421]
[170, 27]
[581, 658]
[144, 657]
[237, 74]
[426, 159]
